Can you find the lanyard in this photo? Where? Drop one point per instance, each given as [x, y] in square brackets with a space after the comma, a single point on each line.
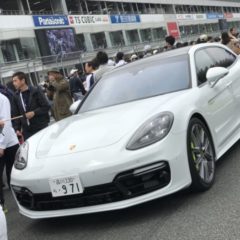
[24, 107]
[23, 104]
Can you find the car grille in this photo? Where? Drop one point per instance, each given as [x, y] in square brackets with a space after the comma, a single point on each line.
[126, 185]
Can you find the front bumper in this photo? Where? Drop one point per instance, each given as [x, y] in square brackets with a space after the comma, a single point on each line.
[127, 185]
[133, 178]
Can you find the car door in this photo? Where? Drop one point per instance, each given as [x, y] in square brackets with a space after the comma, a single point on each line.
[217, 103]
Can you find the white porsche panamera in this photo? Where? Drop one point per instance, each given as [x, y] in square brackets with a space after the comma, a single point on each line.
[146, 130]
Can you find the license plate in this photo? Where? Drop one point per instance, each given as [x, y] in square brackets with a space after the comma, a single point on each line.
[64, 186]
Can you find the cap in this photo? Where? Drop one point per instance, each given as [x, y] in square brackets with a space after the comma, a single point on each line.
[134, 56]
[203, 38]
[53, 70]
[73, 71]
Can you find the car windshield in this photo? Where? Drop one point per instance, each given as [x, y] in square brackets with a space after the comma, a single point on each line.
[139, 81]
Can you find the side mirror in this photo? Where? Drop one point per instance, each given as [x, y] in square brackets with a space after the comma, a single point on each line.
[215, 74]
[74, 106]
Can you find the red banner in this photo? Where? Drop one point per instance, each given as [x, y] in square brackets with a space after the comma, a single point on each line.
[173, 29]
[228, 15]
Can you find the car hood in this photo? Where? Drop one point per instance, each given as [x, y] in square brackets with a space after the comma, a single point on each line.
[98, 128]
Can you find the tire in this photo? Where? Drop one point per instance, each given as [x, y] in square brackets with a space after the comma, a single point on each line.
[201, 155]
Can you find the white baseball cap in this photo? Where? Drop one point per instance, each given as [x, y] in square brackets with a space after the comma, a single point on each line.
[203, 37]
[73, 71]
[134, 56]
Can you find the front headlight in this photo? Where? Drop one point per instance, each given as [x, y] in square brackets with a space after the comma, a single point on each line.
[21, 157]
[153, 130]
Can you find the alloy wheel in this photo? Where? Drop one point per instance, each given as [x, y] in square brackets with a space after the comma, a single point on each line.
[202, 153]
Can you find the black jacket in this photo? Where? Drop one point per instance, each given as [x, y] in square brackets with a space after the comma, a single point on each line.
[39, 104]
[76, 85]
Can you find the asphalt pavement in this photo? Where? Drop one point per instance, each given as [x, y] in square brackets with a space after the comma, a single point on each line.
[212, 215]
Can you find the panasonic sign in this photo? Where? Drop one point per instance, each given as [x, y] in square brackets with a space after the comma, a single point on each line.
[50, 21]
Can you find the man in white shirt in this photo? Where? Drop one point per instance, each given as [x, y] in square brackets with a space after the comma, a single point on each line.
[8, 143]
[90, 68]
[3, 225]
[102, 59]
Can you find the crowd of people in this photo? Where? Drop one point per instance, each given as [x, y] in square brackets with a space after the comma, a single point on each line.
[228, 38]
[26, 109]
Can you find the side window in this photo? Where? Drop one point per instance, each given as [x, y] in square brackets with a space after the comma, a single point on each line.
[212, 57]
[203, 62]
[222, 57]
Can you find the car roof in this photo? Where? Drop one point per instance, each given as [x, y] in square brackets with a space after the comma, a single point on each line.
[174, 52]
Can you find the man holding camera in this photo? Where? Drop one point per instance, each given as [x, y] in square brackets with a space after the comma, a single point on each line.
[62, 99]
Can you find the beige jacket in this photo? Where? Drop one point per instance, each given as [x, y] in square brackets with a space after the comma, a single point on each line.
[62, 99]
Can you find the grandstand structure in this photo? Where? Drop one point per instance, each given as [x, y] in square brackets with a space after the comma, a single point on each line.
[36, 35]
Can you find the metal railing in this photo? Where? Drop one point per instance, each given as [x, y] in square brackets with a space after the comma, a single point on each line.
[109, 12]
[26, 12]
[13, 12]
